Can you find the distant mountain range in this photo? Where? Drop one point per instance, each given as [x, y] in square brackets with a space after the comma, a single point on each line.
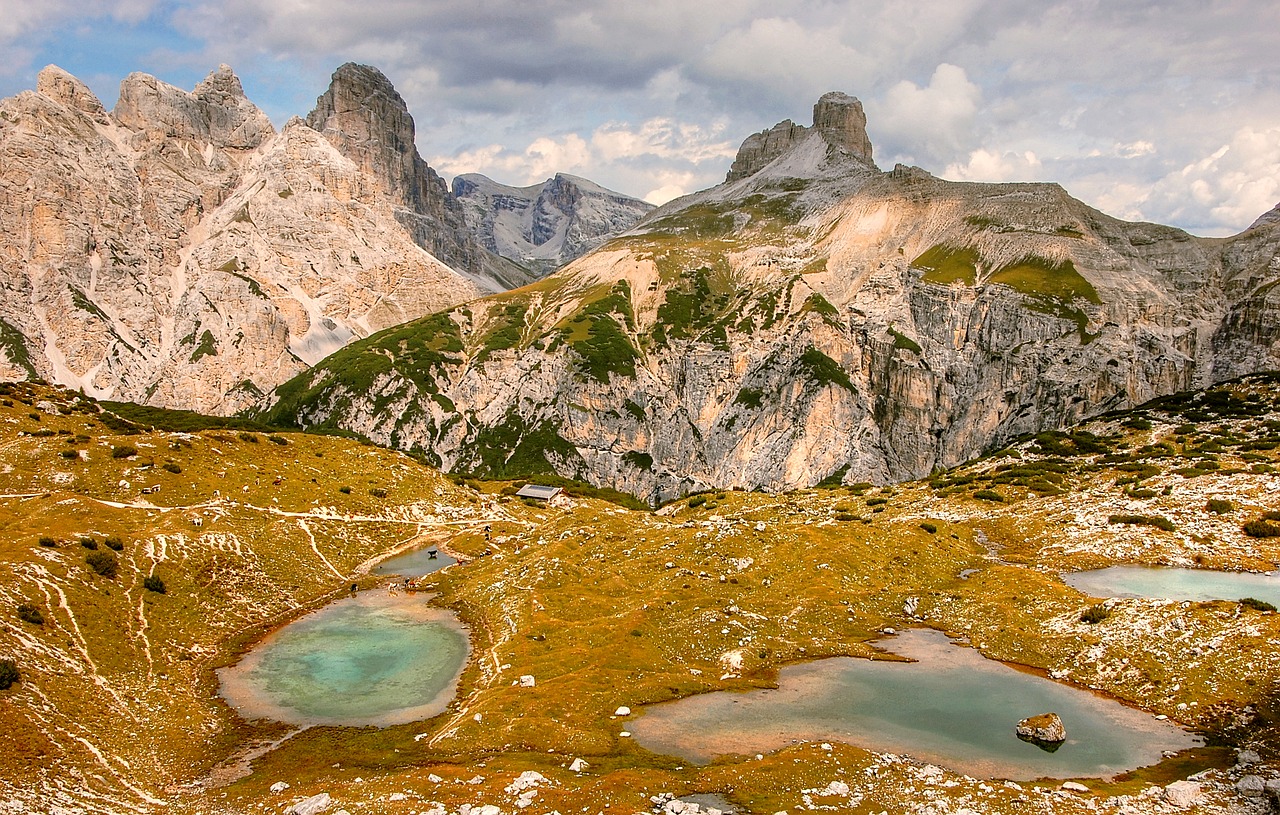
[812, 318]
[178, 251]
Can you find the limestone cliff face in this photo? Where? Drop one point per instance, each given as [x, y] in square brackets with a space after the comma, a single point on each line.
[544, 226]
[812, 317]
[178, 251]
[364, 117]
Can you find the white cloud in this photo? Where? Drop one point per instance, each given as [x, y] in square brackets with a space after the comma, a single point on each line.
[986, 165]
[932, 122]
[1224, 191]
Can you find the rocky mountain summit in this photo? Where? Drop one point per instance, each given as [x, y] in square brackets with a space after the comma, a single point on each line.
[178, 251]
[544, 226]
[813, 318]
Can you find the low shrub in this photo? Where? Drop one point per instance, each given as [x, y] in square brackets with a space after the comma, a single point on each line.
[1095, 614]
[876, 501]
[8, 673]
[1159, 522]
[378, 492]
[989, 495]
[124, 451]
[932, 529]
[48, 542]
[1262, 528]
[89, 543]
[280, 440]
[346, 490]
[697, 501]
[153, 583]
[171, 467]
[846, 516]
[70, 454]
[113, 542]
[104, 563]
[1219, 506]
[1256, 604]
[28, 613]
[249, 437]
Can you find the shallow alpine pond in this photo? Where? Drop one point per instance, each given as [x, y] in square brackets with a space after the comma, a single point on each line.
[1166, 583]
[415, 563]
[951, 706]
[375, 658]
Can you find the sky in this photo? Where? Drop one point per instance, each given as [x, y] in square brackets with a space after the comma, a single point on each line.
[1156, 111]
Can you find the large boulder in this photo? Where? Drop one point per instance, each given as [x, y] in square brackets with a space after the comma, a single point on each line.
[1182, 793]
[1045, 729]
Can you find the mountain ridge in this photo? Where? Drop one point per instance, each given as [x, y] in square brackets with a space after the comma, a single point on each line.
[813, 317]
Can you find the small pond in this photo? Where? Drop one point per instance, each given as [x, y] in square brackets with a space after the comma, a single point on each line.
[952, 707]
[415, 563]
[1163, 583]
[375, 658]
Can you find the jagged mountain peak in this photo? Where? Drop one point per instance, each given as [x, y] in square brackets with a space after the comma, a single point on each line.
[1271, 216]
[544, 226]
[216, 112]
[65, 89]
[838, 119]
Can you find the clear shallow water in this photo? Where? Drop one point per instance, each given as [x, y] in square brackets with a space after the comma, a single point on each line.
[1165, 583]
[371, 659]
[953, 707]
[415, 563]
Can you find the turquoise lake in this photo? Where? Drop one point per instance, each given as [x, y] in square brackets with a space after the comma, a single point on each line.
[952, 707]
[1163, 583]
[371, 659]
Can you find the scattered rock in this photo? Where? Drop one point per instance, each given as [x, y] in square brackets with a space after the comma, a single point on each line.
[622, 711]
[835, 788]
[1251, 786]
[527, 681]
[1044, 730]
[1074, 786]
[578, 765]
[910, 606]
[527, 780]
[313, 805]
[279, 786]
[1247, 757]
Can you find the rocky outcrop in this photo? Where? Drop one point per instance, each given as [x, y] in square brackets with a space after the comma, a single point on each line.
[837, 117]
[544, 226]
[179, 252]
[814, 319]
[364, 117]
[1047, 728]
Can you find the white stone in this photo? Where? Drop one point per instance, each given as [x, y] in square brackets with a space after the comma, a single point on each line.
[1182, 793]
[835, 788]
[1251, 786]
[279, 786]
[1074, 786]
[313, 805]
[527, 681]
[578, 765]
[622, 711]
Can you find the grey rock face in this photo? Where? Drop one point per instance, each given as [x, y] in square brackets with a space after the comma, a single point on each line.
[1182, 793]
[817, 318]
[181, 253]
[837, 117]
[544, 226]
[364, 117]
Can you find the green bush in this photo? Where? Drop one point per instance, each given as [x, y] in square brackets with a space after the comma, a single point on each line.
[847, 516]
[153, 583]
[28, 613]
[104, 563]
[280, 440]
[113, 542]
[171, 467]
[8, 673]
[70, 454]
[1219, 506]
[932, 529]
[1256, 604]
[989, 495]
[876, 501]
[249, 437]
[378, 492]
[697, 501]
[124, 451]
[1095, 614]
[344, 490]
[1259, 528]
[89, 543]
[48, 542]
